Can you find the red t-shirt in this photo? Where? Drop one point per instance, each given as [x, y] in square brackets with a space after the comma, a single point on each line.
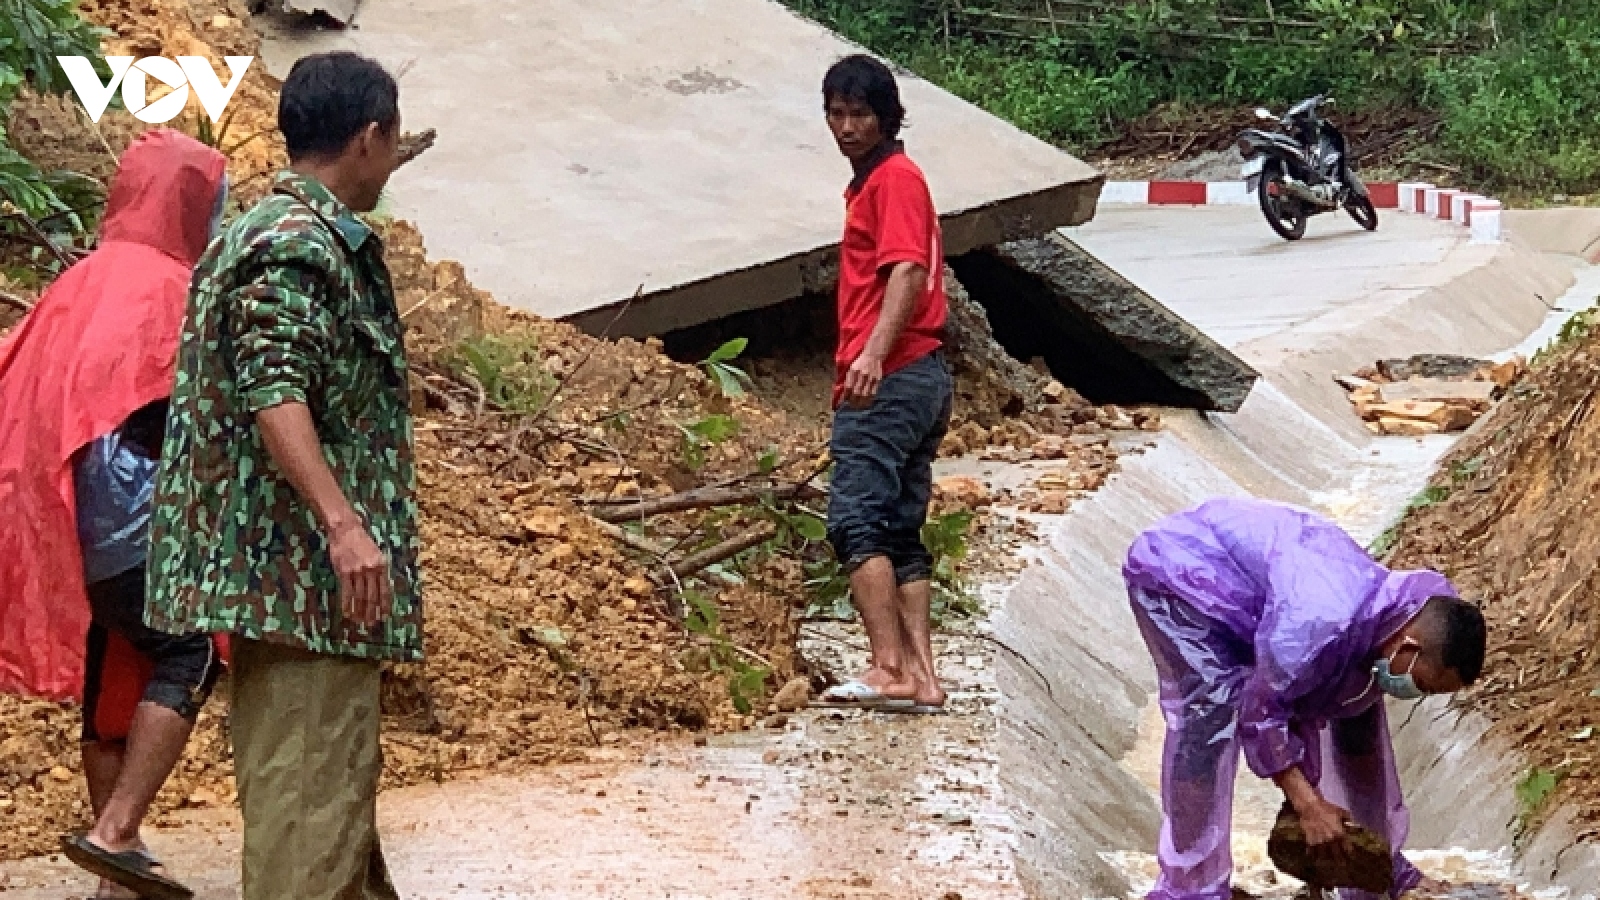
[889, 219]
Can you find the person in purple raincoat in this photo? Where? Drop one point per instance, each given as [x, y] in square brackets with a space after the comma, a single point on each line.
[1273, 632]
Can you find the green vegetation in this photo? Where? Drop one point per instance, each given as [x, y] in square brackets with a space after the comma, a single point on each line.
[1574, 329]
[828, 587]
[508, 367]
[705, 433]
[1429, 496]
[1533, 790]
[32, 34]
[1517, 86]
[729, 378]
[746, 679]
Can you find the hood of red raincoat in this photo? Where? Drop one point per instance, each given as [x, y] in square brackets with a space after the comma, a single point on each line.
[163, 196]
[101, 343]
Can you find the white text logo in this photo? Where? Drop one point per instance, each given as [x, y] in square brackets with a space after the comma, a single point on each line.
[188, 72]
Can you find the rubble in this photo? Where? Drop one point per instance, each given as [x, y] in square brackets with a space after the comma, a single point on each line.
[550, 632]
[1428, 394]
[1508, 518]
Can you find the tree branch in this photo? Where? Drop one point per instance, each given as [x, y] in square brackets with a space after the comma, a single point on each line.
[702, 498]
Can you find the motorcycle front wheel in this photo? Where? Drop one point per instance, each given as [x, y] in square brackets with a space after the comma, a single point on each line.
[1362, 210]
[1284, 213]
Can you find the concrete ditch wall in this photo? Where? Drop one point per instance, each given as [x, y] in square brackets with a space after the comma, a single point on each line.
[1073, 672]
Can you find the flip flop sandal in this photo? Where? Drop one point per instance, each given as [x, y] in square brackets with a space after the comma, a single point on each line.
[918, 709]
[113, 892]
[857, 694]
[133, 869]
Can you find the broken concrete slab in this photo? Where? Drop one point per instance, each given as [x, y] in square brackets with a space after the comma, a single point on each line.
[1099, 332]
[1440, 390]
[587, 147]
[341, 11]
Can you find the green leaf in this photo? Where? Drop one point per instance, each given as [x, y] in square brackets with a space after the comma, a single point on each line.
[745, 686]
[702, 615]
[730, 380]
[716, 428]
[809, 527]
[768, 463]
[694, 454]
[729, 351]
[1535, 788]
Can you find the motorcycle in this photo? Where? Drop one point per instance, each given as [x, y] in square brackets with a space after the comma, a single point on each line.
[1302, 169]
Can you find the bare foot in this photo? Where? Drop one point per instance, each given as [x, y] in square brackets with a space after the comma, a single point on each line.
[110, 890]
[895, 687]
[107, 839]
[930, 693]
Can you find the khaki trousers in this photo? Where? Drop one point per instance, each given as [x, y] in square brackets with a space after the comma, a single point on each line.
[307, 761]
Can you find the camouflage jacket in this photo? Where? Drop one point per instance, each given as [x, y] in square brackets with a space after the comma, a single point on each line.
[292, 302]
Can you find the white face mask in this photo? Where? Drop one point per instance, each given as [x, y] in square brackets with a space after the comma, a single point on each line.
[1400, 686]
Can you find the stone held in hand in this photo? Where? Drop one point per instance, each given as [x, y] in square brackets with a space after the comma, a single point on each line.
[1368, 866]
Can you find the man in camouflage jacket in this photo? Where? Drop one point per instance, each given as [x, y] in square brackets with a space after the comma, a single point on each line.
[285, 511]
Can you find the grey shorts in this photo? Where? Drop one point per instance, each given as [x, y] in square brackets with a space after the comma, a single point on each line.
[883, 469]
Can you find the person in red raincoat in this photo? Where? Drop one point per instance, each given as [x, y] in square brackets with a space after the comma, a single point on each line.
[83, 386]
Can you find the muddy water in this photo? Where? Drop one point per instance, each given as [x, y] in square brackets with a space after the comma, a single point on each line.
[1472, 875]
[1364, 505]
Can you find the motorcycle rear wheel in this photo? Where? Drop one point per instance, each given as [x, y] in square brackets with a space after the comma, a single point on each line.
[1285, 214]
[1362, 210]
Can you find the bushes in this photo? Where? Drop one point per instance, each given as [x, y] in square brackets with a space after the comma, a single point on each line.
[1043, 91]
[32, 34]
[1517, 85]
[1527, 114]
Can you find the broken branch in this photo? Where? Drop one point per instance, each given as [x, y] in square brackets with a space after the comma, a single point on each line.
[729, 548]
[39, 235]
[703, 498]
[648, 547]
[414, 145]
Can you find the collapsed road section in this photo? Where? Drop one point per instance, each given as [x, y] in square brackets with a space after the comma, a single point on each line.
[591, 150]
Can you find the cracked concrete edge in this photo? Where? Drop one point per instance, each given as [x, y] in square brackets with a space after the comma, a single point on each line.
[1482, 300]
[341, 11]
[770, 283]
[1165, 341]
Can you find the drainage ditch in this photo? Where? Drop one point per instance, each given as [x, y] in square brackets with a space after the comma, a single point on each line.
[1078, 739]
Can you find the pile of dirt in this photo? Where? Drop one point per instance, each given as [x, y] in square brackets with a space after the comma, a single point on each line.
[1509, 519]
[549, 631]
[55, 132]
[546, 634]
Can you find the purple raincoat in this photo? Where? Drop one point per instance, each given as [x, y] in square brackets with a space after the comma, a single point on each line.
[1264, 621]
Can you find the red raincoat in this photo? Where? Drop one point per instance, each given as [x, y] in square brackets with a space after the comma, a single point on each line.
[101, 343]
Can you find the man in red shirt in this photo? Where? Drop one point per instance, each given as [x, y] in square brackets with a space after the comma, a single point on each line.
[892, 392]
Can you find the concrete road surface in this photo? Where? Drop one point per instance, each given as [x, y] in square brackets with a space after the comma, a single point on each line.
[588, 147]
[1225, 271]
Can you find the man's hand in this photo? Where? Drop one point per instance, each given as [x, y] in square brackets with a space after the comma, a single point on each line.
[1324, 824]
[365, 593]
[862, 380]
[363, 570]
